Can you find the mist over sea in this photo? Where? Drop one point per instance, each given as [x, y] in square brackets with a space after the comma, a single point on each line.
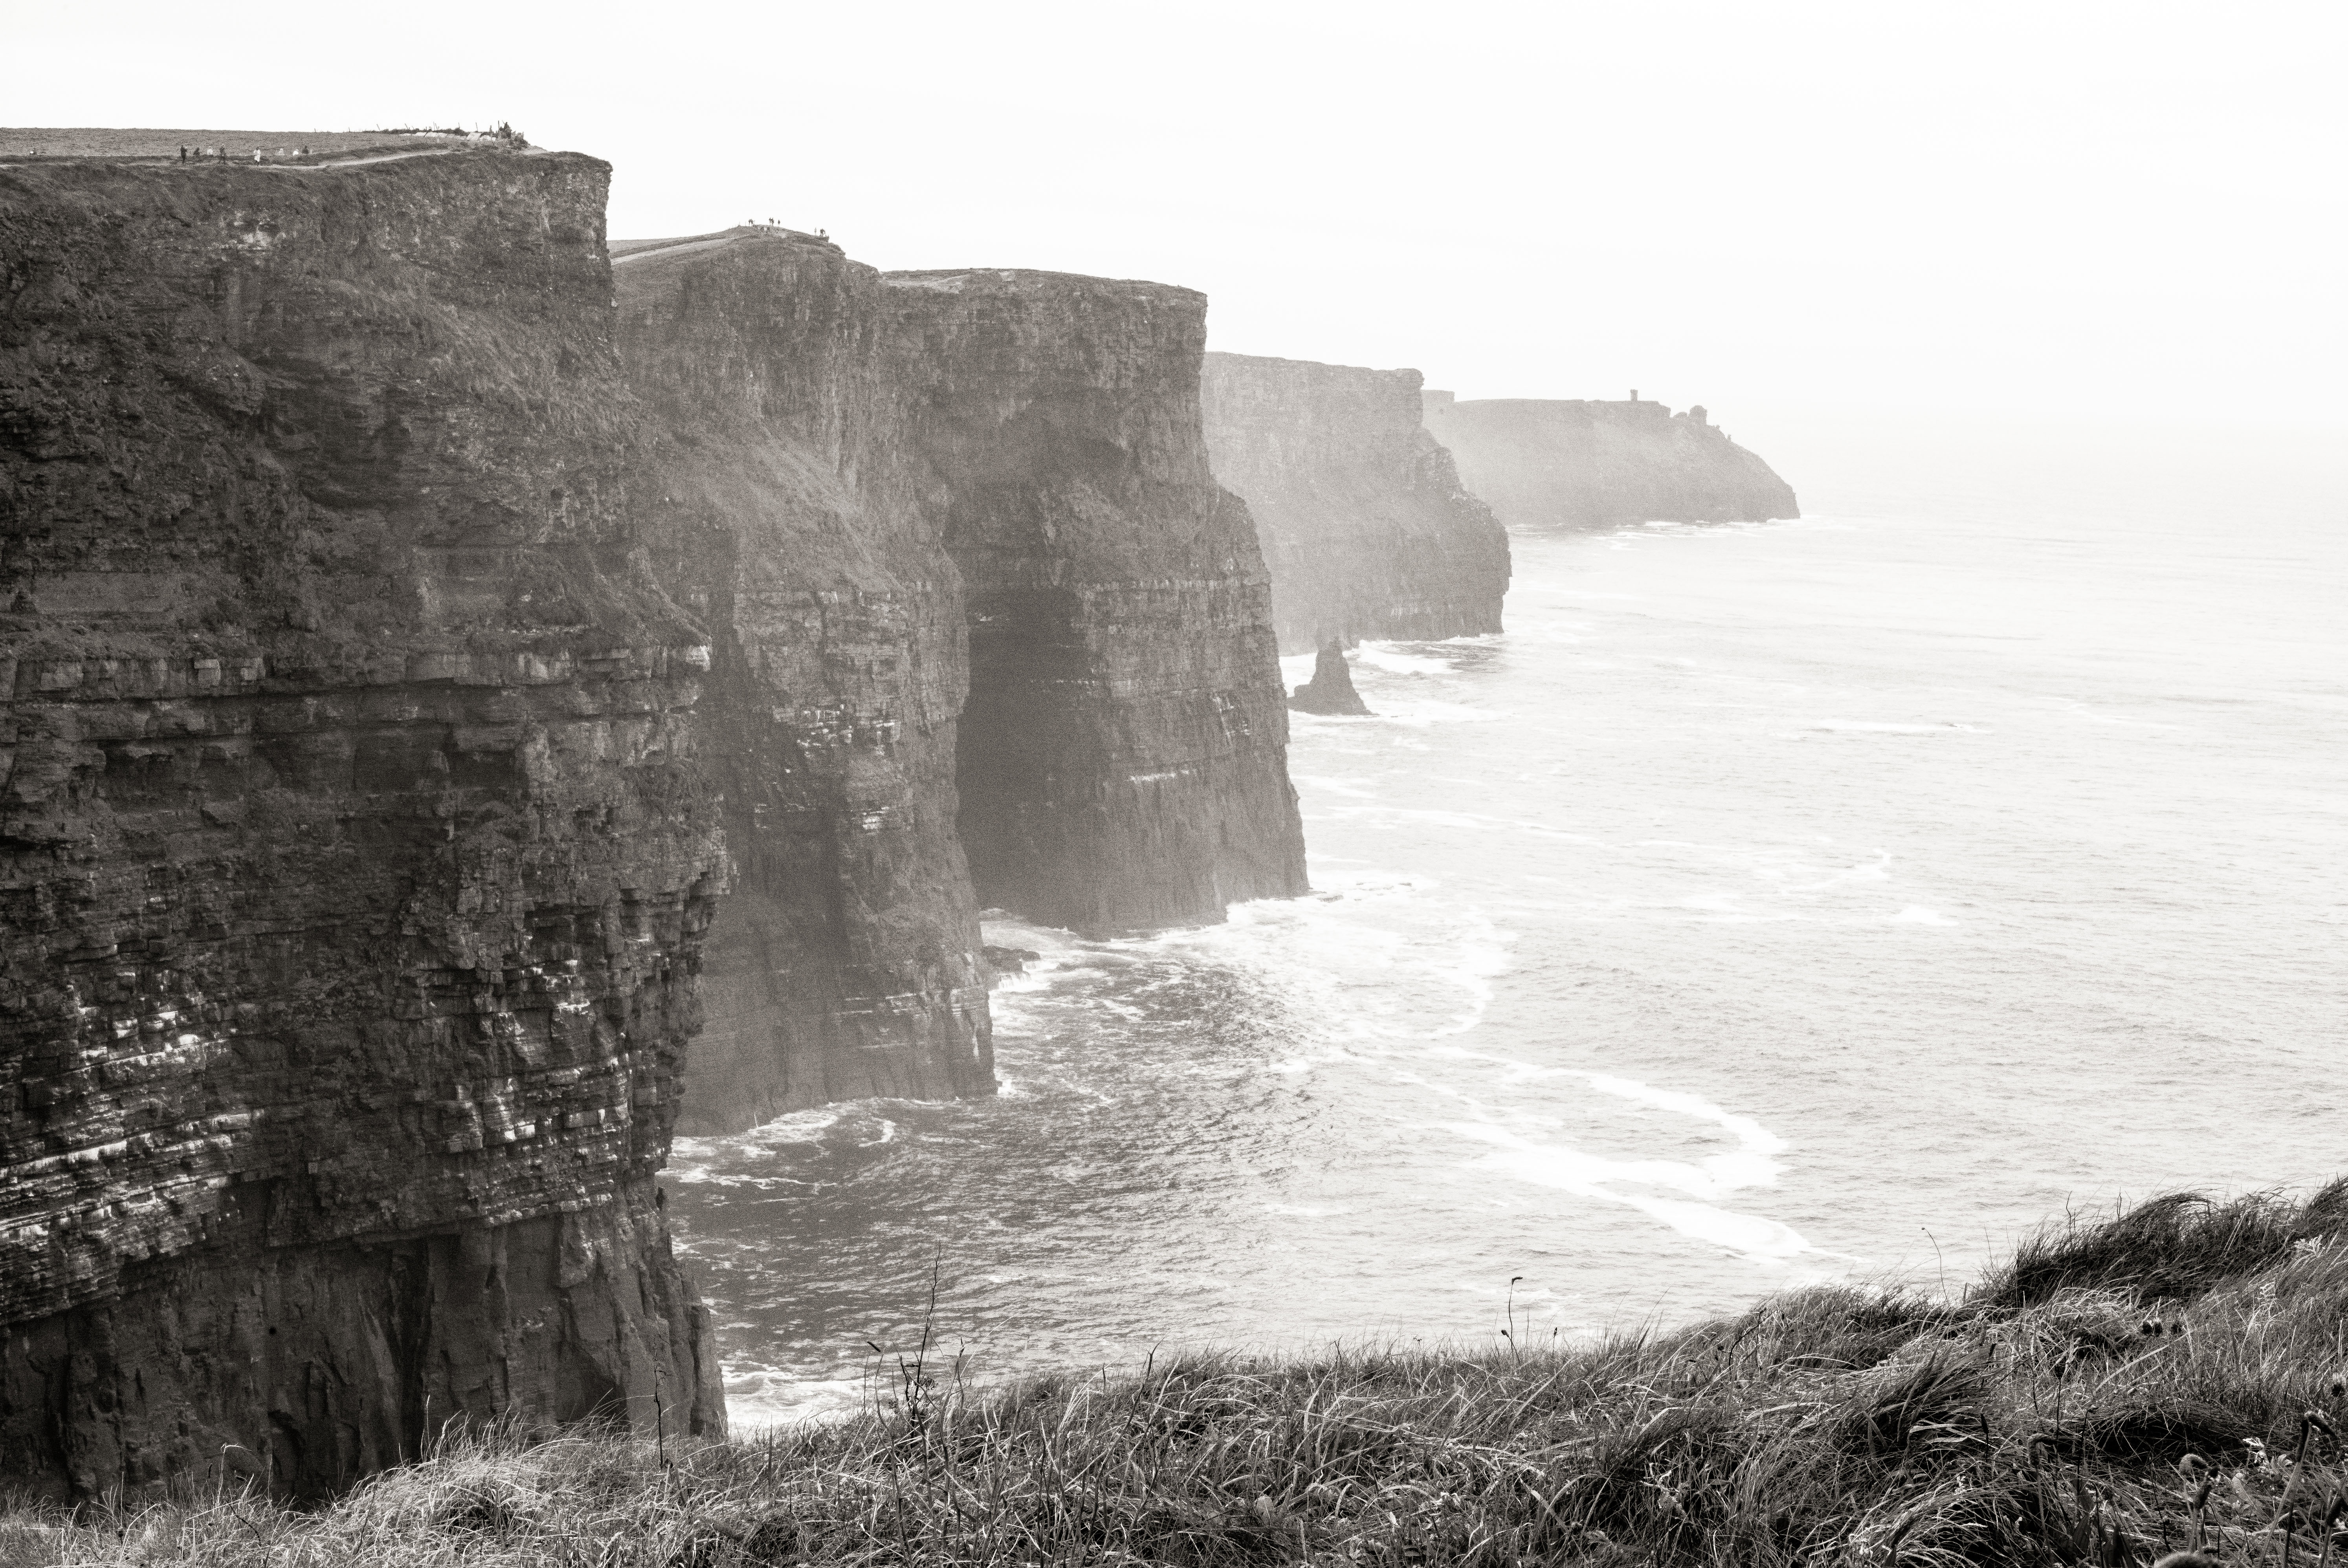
[1770, 904]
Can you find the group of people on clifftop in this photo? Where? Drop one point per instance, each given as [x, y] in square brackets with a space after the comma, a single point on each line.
[821, 235]
[505, 136]
[197, 154]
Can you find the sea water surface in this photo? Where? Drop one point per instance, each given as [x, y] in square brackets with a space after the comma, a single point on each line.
[1769, 904]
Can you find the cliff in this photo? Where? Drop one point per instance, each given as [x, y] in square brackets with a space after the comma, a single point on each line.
[1546, 464]
[412, 626]
[1122, 760]
[1365, 525]
[845, 961]
[354, 858]
[984, 631]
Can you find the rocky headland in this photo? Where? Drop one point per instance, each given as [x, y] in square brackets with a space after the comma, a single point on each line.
[1553, 464]
[1366, 528]
[434, 663]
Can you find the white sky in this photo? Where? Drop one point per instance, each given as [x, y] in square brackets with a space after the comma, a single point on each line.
[2121, 209]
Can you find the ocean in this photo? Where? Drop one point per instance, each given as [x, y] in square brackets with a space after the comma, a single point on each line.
[1769, 905]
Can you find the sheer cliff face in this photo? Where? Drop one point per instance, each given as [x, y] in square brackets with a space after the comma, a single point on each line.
[845, 961]
[1365, 525]
[1122, 759]
[1568, 464]
[354, 858]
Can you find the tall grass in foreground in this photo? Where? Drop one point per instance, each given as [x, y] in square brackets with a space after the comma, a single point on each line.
[2168, 1379]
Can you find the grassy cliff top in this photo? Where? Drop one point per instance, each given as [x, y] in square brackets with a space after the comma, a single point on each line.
[99, 141]
[681, 243]
[2167, 1378]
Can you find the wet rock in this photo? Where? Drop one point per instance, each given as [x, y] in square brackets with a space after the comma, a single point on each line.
[1331, 690]
[1010, 960]
[1554, 464]
[1366, 529]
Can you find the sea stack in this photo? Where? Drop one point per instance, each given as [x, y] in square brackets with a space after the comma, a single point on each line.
[1331, 690]
[1553, 465]
[1366, 529]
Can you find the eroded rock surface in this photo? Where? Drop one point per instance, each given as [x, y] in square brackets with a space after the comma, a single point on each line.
[1366, 529]
[1556, 463]
[354, 858]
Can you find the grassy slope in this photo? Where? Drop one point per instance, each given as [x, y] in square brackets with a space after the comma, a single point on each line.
[2056, 1415]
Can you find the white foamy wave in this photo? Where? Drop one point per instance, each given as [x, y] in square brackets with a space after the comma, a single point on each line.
[1698, 1213]
[1371, 956]
[758, 1397]
[1390, 658]
[1876, 870]
[1056, 952]
[1351, 787]
[1916, 915]
[1725, 907]
[1685, 1195]
[1869, 727]
[1754, 1138]
[692, 1158]
[1751, 1235]
[1421, 714]
[1483, 954]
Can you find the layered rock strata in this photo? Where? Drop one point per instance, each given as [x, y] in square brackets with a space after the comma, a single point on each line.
[1122, 760]
[354, 857]
[1559, 465]
[1366, 529]
[845, 962]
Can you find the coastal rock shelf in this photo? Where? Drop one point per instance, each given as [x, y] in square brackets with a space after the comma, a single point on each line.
[1556, 463]
[1366, 528]
[434, 660]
